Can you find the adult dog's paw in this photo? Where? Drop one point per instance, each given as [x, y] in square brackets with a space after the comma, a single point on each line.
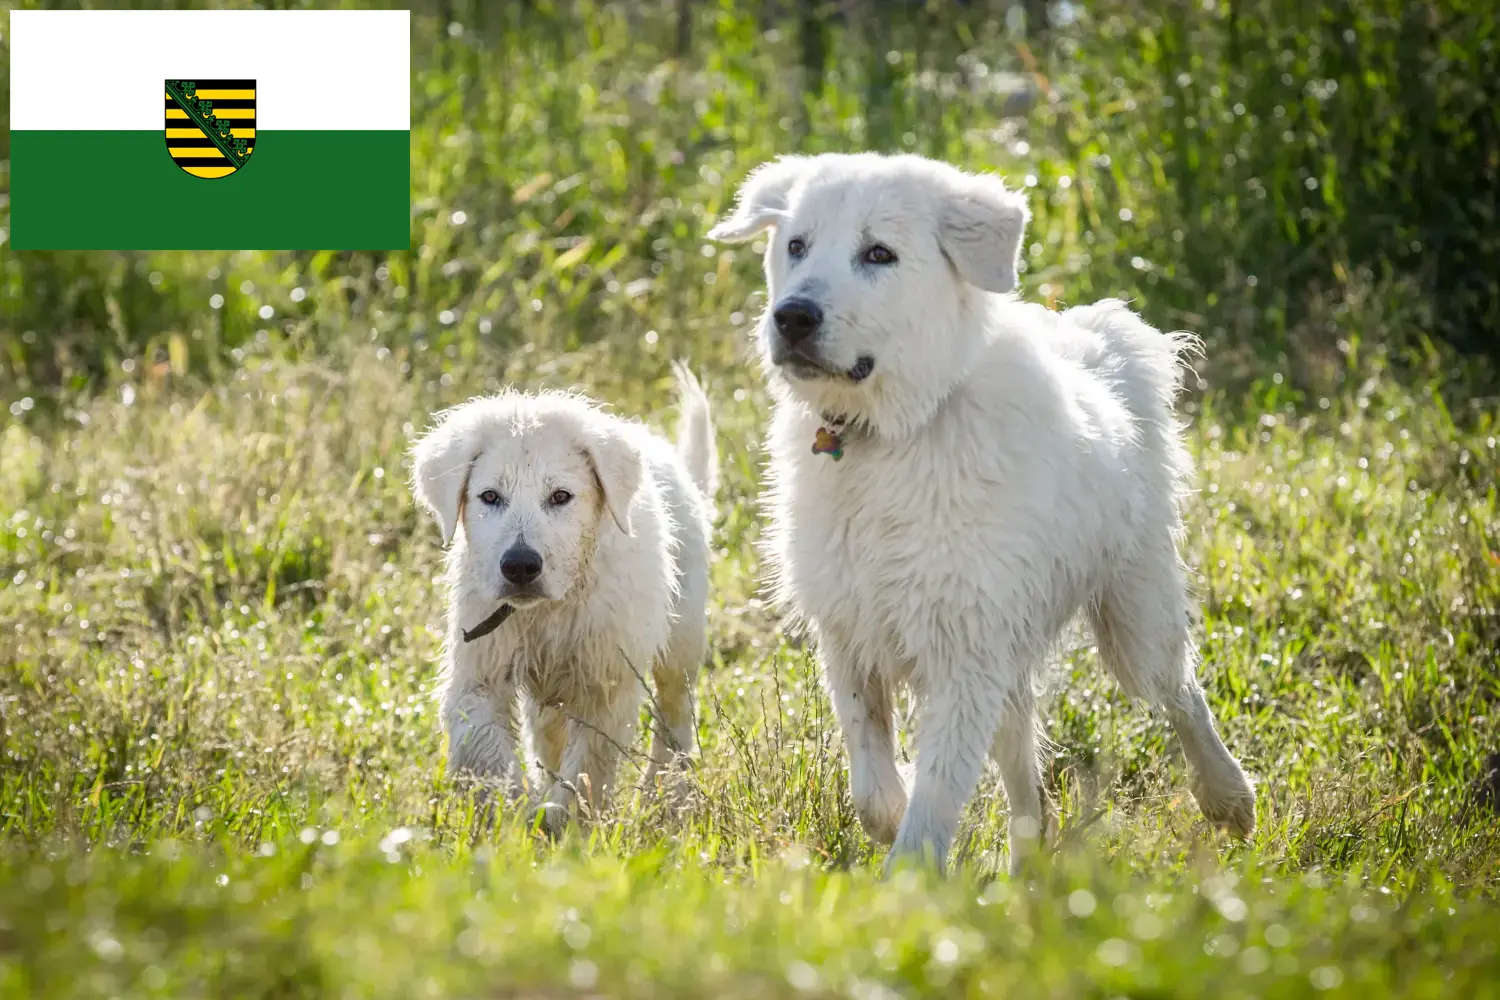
[1227, 802]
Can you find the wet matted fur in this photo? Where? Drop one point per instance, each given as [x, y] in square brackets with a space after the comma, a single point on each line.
[595, 531]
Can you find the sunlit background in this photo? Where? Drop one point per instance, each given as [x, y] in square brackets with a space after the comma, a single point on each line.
[221, 773]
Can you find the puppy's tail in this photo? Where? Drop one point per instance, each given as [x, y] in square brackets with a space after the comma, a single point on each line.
[695, 431]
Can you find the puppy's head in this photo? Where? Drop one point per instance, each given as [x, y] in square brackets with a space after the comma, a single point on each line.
[530, 482]
[872, 264]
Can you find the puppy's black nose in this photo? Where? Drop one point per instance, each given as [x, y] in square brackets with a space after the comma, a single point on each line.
[521, 564]
[797, 319]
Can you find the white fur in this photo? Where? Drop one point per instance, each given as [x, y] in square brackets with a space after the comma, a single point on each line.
[1005, 468]
[623, 590]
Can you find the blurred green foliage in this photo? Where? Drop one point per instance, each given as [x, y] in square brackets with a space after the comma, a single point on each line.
[1240, 168]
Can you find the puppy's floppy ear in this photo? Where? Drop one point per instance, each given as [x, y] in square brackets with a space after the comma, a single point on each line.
[980, 225]
[617, 469]
[441, 461]
[762, 201]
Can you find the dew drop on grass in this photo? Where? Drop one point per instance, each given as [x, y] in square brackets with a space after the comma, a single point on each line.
[1147, 926]
[995, 893]
[802, 976]
[1223, 945]
[583, 974]
[577, 935]
[1326, 977]
[1113, 952]
[106, 947]
[1233, 908]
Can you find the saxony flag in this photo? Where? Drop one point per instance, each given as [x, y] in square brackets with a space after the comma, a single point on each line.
[210, 130]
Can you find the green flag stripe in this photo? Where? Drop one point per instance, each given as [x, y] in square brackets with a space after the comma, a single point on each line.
[120, 190]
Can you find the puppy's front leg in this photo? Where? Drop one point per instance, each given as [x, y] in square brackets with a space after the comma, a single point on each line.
[477, 710]
[862, 702]
[599, 729]
[548, 727]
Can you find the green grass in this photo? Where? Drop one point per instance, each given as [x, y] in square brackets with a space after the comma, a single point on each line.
[221, 771]
[221, 619]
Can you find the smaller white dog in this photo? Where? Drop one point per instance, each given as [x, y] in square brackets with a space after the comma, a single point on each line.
[955, 475]
[578, 560]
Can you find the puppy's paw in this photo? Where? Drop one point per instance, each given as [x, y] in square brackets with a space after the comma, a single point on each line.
[552, 819]
[677, 791]
[1227, 801]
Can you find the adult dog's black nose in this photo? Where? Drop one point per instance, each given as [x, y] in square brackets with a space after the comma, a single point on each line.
[521, 564]
[797, 319]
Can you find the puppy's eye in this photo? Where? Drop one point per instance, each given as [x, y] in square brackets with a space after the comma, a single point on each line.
[491, 498]
[878, 254]
[559, 497]
[796, 248]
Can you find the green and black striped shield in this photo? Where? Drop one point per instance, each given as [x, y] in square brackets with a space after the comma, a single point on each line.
[210, 125]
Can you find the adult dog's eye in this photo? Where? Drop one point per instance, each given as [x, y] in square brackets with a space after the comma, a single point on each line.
[560, 497]
[491, 497]
[878, 254]
[796, 248]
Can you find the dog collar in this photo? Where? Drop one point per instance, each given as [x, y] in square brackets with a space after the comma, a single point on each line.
[830, 437]
[494, 621]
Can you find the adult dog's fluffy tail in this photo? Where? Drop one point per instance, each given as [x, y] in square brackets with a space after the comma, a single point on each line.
[695, 432]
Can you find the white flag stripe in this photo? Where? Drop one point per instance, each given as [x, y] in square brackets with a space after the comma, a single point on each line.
[315, 70]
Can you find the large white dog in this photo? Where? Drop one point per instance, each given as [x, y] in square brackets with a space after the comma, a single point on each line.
[955, 475]
[578, 561]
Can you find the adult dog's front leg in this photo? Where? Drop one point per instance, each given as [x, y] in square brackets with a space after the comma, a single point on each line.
[862, 701]
[959, 720]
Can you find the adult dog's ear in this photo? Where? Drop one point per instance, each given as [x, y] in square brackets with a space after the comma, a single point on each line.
[617, 469]
[441, 462]
[980, 225]
[762, 201]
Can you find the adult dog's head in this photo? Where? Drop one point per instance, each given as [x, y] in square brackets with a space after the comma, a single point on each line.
[532, 481]
[876, 267]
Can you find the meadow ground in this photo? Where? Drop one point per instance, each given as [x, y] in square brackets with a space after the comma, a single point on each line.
[221, 771]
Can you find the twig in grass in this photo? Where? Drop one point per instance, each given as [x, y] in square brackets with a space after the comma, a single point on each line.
[627, 751]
